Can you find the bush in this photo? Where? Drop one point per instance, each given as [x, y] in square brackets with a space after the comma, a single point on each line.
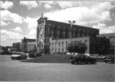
[39, 53]
[77, 47]
[6, 53]
[32, 54]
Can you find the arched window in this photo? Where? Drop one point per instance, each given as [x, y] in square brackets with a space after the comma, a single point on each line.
[81, 33]
[69, 33]
[78, 33]
[52, 33]
[89, 34]
[85, 33]
[63, 34]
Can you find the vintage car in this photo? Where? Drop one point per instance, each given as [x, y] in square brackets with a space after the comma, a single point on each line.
[109, 58]
[18, 55]
[82, 59]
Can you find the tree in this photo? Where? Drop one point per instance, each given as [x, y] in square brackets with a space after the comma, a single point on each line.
[77, 47]
[103, 46]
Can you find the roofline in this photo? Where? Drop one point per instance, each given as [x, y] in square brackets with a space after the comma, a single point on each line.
[73, 24]
[106, 33]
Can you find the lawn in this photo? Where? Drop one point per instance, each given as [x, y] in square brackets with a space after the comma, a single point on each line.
[53, 58]
[50, 58]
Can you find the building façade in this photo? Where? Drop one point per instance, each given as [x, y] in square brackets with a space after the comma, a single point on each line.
[48, 29]
[27, 44]
[111, 37]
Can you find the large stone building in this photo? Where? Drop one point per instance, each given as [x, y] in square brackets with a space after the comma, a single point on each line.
[57, 30]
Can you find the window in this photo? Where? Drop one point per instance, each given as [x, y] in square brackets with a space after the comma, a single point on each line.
[59, 43]
[62, 43]
[55, 50]
[85, 41]
[69, 34]
[81, 33]
[58, 35]
[58, 50]
[52, 43]
[56, 43]
[52, 49]
[66, 42]
[63, 34]
[74, 29]
[62, 50]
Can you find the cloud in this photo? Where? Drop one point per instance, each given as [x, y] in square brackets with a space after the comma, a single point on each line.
[17, 29]
[104, 28]
[9, 37]
[29, 4]
[99, 12]
[47, 4]
[11, 17]
[6, 4]
[32, 25]
[62, 4]
[67, 4]
[32, 22]
[32, 34]
[2, 23]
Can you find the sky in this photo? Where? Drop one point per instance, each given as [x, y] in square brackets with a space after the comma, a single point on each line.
[18, 18]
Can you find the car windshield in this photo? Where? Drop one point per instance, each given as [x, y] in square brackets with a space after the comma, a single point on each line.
[17, 53]
[81, 56]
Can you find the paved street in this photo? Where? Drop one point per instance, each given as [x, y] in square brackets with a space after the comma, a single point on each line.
[14, 70]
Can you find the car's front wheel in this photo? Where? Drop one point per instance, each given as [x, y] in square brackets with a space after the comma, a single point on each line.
[86, 62]
[106, 61]
[93, 62]
[78, 62]
[72, 62]
[12, 58]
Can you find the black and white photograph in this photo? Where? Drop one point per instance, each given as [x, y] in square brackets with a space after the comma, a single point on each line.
[57, 40]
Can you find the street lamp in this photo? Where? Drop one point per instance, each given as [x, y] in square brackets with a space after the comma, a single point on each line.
[71, 24]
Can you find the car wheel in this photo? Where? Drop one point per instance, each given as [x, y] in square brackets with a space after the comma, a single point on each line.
[72, 62]
[12, 58]
[93, 62]
[105, 61]
[86, 62]
[78, 62]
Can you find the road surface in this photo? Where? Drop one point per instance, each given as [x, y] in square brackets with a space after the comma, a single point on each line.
[14, 70]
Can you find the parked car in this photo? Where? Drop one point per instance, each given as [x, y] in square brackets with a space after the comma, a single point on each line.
[109, 58]
[82, 58]
[18, 55]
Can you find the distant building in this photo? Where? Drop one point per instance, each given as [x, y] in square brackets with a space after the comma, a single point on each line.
[24, 43]
[111, 37]
[16, 46]
[31, 46]
[58, 30]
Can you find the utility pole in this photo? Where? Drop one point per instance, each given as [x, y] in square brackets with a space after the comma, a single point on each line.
[71, 24]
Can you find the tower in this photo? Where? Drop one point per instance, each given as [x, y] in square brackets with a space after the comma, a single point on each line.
[41, 33]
